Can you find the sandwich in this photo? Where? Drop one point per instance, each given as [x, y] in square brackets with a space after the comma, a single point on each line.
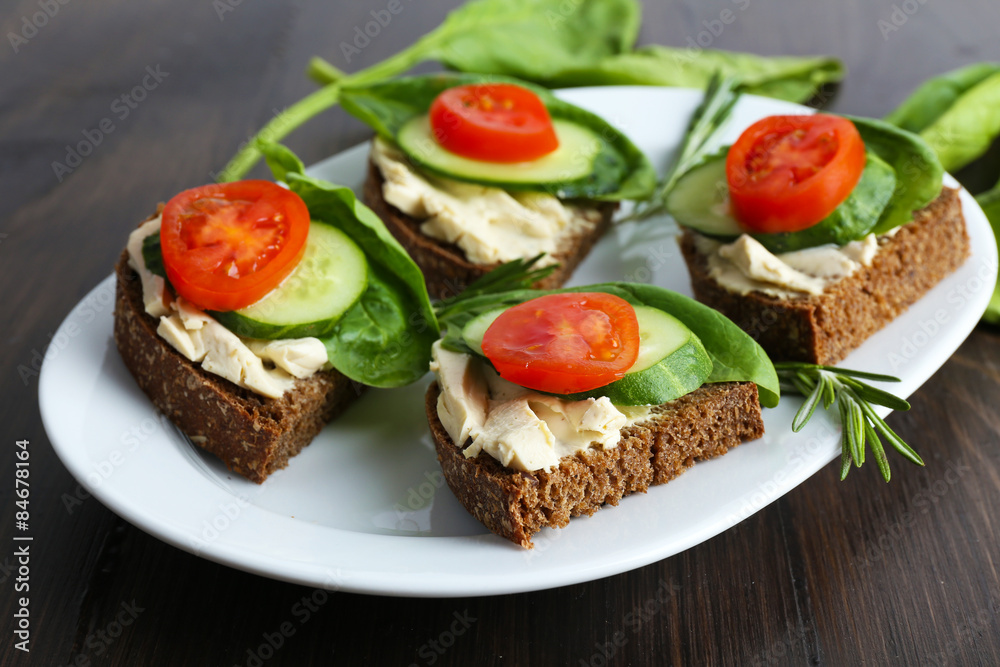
[812, 232]
[470, 171]
[252, 314]
[551, 404]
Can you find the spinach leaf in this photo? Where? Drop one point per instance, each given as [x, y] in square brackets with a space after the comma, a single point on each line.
[526, 38]
[955, 113]
[152, 255]
[534, 39]
[990, 201]
[379, 341]
[918, 171]
[933, 98]
[621, 171]
[735, 355]
[785, 77]
[853, 219]
[384, 339]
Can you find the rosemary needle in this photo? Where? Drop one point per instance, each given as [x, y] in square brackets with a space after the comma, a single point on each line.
[855, 399]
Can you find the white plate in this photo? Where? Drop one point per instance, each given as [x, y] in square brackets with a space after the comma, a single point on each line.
[364, 507]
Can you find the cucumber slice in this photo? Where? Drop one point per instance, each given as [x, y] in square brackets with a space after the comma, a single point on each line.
[573, 160]
[329, 278]
[672, 361]
[700, 200]
[475, 329]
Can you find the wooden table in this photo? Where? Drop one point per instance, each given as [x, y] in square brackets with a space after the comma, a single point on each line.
[833, 573]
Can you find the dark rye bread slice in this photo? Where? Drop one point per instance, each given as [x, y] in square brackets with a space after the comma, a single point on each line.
[252, 434]
[704, 424]
[445, 266]
[824, 328]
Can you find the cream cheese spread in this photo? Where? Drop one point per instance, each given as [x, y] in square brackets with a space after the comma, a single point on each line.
[267, 367]
[489, 224]
[745, 266]
[522, 429]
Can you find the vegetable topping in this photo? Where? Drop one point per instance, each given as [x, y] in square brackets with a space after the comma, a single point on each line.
[225, 246]
[564, 343]
[786, 173]
[493, 122]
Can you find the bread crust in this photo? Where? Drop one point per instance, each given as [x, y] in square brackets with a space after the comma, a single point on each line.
[824, 328]
[704, 424]
[252, 434]
[446, 268]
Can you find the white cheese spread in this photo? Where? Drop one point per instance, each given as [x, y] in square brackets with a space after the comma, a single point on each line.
[521, 428]
[745, 266]
[489, 224]
[201, 339]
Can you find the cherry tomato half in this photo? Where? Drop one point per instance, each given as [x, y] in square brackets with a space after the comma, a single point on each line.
[564, 343]
[786, 173]
[227, 245]
[493, 123]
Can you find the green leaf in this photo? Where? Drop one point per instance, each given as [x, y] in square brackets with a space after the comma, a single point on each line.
[791, 78]
[530, 38]
[990, 201]
[534, 39]
[935, 96]
[152, 255]
[805, 412]
[919, 173]
[852, 220]
[375, 342]
[281, 161]
[383, 340]
[736, 357]
[623, 171]
[956, 113]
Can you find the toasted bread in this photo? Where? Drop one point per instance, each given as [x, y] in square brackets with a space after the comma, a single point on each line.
[824, 328]
[253, 435]
[704, 424]
[446, 268]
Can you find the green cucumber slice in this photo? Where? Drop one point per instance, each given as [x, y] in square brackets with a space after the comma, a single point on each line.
[573, 160]
[672, 361]
[700, 200]
[329, 278]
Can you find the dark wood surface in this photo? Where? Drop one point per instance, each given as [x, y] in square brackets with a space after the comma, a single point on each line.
[833, 573]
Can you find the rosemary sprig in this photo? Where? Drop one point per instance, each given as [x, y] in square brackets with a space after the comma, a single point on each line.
[855, 400]
[721, 96]
[518, 274]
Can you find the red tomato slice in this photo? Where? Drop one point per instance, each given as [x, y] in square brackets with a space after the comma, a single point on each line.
[227, 245]
[786, 173]
[564, 343]
[493, 122]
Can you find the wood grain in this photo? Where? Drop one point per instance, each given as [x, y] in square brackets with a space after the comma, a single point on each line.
[834, 573]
